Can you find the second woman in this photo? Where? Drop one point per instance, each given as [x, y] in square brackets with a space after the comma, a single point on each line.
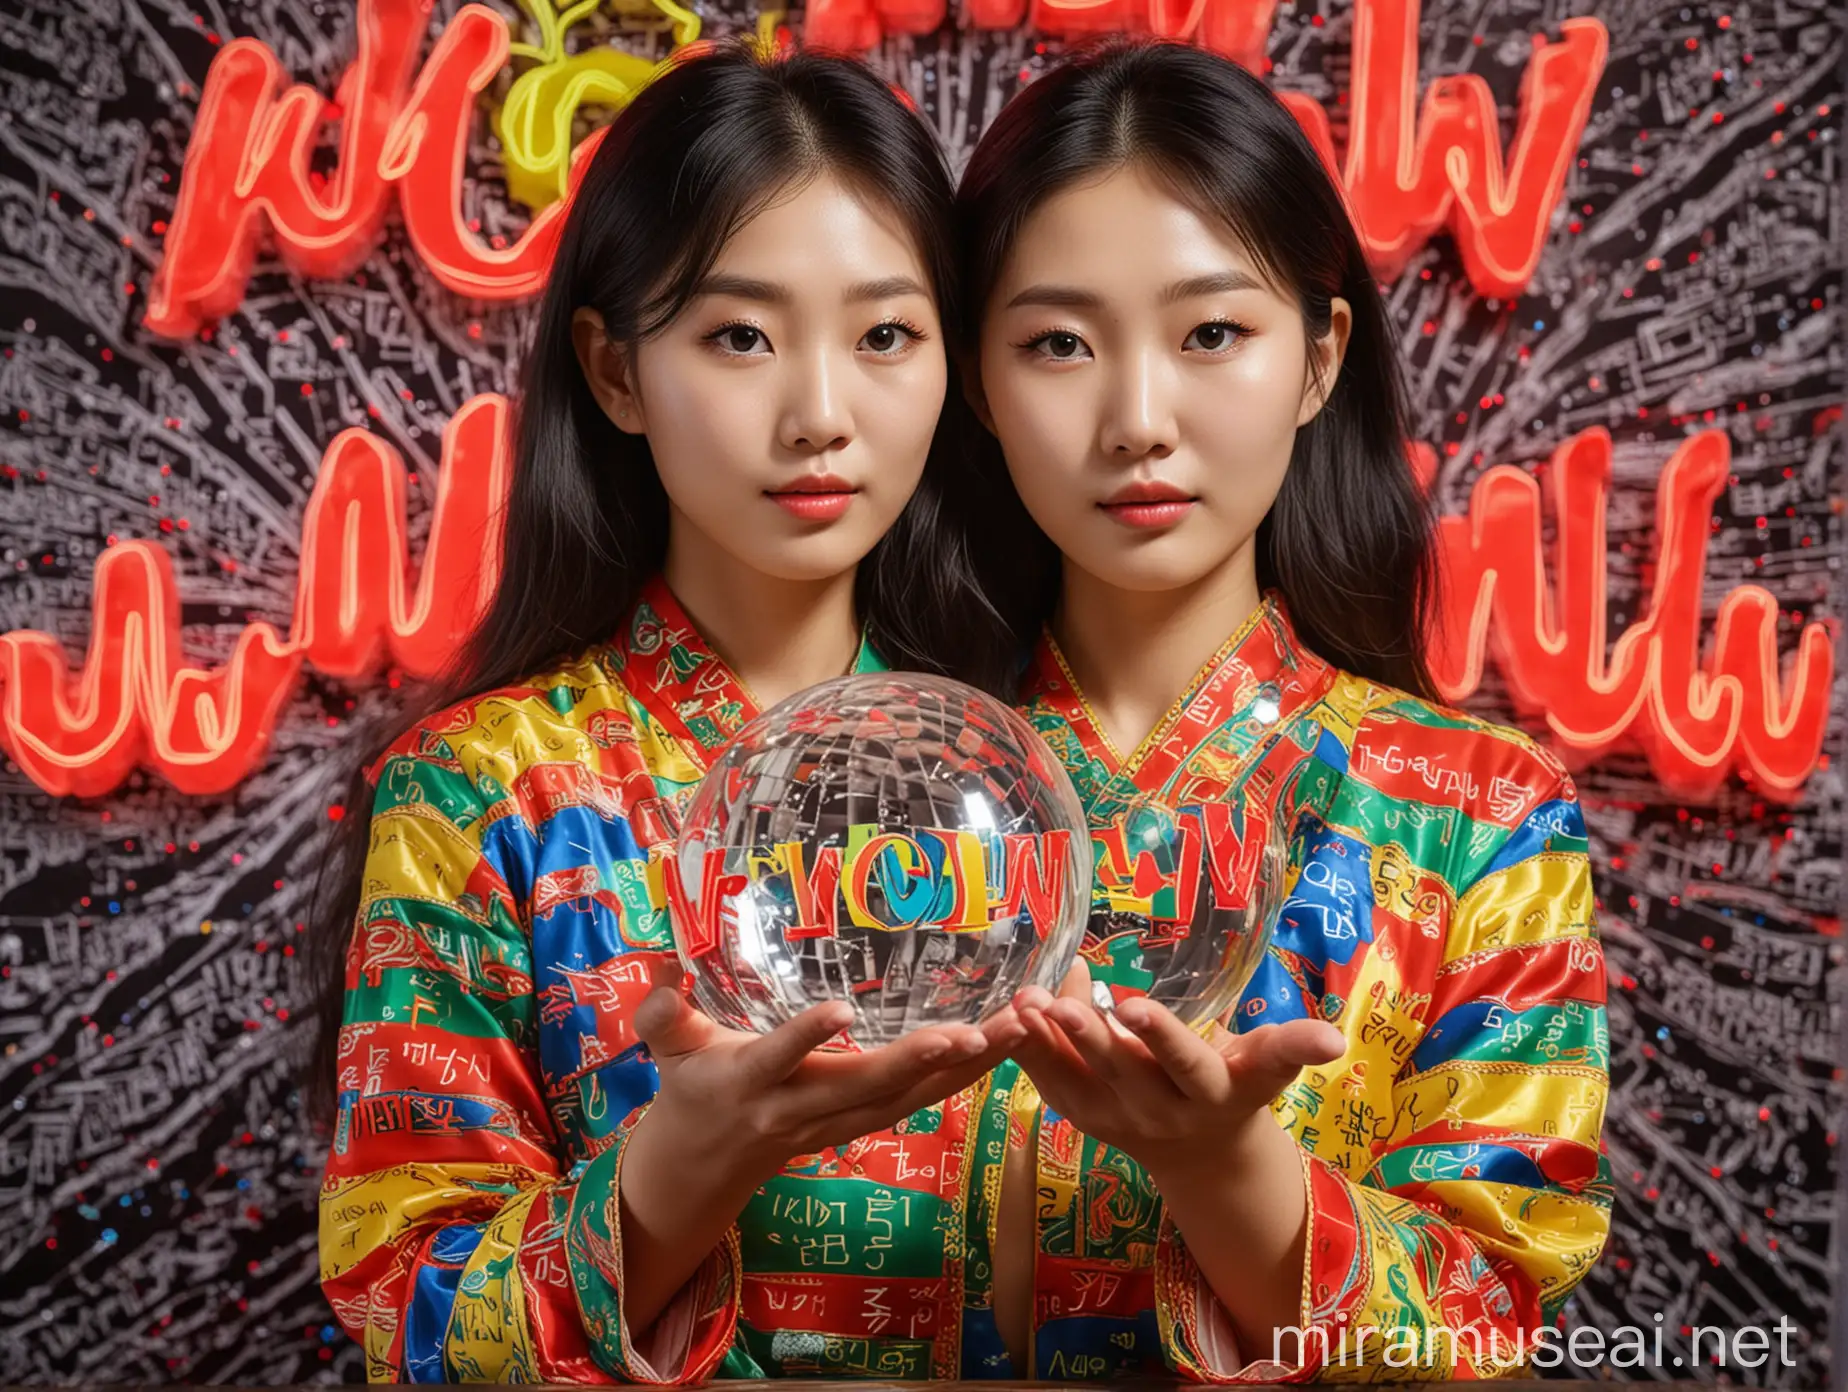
[1392, 1159]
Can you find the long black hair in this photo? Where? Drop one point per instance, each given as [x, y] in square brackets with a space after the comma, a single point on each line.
[695, 155]
[1349, 540]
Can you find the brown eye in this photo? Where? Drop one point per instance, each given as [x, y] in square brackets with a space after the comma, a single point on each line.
[741, 338]
[1057, 345]
[887, 338]
[1213, 337]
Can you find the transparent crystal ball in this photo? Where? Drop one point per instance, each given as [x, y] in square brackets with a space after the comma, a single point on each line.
[1186, 900]
[902, 842]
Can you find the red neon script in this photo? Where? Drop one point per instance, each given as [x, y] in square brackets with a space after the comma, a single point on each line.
[1697, 722]
[203, 730]
[1408, 171]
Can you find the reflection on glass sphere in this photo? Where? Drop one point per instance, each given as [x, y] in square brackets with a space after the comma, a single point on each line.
[1187, 897]
[901, 842]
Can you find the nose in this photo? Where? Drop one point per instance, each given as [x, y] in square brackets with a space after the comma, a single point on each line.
[1139, 420]
[815, 416]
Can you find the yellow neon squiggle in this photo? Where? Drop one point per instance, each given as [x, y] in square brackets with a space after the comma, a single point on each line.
[534, 124]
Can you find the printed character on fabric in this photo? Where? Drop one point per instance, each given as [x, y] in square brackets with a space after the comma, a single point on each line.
[1440, 914]
[489, 1071]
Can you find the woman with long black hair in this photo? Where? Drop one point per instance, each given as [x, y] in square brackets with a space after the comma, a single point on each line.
[736, 475]
[1389, 1157]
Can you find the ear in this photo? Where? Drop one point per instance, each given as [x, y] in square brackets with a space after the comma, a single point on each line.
[971, 371]
[1326, 354]
[608, 369]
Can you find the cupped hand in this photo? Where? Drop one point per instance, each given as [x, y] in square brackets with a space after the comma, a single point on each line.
[1148, 1084]
[773, 1096]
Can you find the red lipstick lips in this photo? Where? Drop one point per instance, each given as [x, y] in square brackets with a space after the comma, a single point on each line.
[1148, 504]
[814, 497]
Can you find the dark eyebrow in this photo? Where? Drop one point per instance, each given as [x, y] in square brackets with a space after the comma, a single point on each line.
[1055, 296]
[743, 288]
[1219, 283]
[1071, 297]
[888, 288]
[769, 292]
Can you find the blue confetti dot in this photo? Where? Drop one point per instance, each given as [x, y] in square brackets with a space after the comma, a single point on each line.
[329, 1333]
[1539, 324]
[114, 907]
[124, 1201]
[243, 1184]
[109, 1235]
[1662, 1033]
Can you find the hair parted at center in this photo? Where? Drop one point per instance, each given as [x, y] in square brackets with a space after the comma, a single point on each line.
[1349, 541]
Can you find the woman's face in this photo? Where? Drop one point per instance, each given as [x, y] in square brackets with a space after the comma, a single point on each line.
[1146, 382]
[790, 406]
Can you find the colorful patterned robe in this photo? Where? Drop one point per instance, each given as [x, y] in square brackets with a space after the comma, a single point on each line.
[489, 1073]
[1442, 917]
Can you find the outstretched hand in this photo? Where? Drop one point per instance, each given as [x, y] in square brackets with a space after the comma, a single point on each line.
[1148, 1084]
[773, 1096]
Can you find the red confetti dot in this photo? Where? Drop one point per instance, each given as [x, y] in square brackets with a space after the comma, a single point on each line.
[1725, 21]
[307, 388]
[336, 812]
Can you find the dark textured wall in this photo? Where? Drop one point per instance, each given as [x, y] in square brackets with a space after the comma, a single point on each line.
[156, 1179]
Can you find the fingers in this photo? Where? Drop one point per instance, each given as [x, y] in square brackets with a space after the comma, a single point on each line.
[1109, 1052]
[852, 1080]
[1193, 1065]
[1033, 998]
[932, 1087]
[1268, 1059]
[669, 1025]
[1077, 982]
[1001, 1032]
[664, 969]
[1004, 1028]
[1050, 1060]
[767, 1061]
